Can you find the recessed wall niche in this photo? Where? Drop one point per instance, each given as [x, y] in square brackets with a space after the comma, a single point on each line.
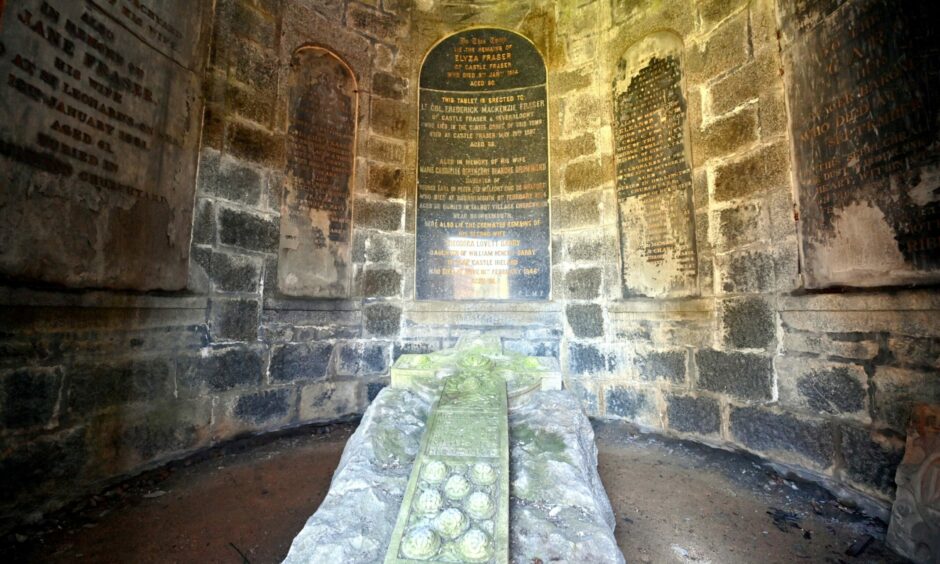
[654, 176]
[314, 254]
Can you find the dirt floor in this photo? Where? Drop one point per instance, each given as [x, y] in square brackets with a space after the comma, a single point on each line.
[674, 501]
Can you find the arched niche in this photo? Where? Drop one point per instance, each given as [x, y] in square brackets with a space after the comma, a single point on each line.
[482, 198]
[654, 174]
[316, 211]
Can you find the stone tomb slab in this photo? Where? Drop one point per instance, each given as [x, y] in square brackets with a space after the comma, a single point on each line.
[456, 506]
[100, 114]
[558, 509]
[444, 422]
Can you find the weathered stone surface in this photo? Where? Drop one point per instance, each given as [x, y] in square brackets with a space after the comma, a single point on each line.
[746, 83]
[915, 351]
[100, 385]
[392, 118]
[583, 283]
[300, 361]
[380, 283]
[654, 174]
[581, 211]
[664, 365]
[762, 169]
[43, 465]
[587, 174]
[389, 86]
[234, 320]
[870, 462]
[247, 230]
[913, 528]
[263, 407]
[386, 216]
[373, 389]
[234, 181]
[688, 414]
[558, 507]
[584, 359]
[325, 401]
[725, 49]
[29, 396]
[768, 431]
[860, 346]
[387, 181]
[748, 323]
[315, 234]
[100, 125]
[823, 387]
[740, 226]
[726, 135]
[746, 272]
[363, 358]
[712, 11]
[219, 370]
[866, 169]
[742, 375]
[382, 320]
[204, 224]
[255, 144]
[234, 273]
[897, 390]
[585, 320]
[634, 404]
[414, 347]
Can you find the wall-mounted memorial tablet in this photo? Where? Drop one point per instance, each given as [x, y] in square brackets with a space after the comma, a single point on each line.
[863, 82]
[314, 256]
[483, 215]
[100, 114]
[654, 177]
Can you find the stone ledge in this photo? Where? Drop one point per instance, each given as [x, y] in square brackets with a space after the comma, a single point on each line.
[906, 300]
[24, 297]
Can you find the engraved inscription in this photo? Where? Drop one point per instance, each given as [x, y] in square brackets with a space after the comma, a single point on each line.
[465, 434]
[483, 219]
[315, 214]
[654, 181]
[99, 124]
[864, 132]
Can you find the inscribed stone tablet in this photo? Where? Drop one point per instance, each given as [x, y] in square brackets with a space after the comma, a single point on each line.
[864, 77]
[654, 179]
[315, 214]
[100, 111]
[483, 216]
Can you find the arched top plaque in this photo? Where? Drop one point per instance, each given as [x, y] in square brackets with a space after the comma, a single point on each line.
[483, 216]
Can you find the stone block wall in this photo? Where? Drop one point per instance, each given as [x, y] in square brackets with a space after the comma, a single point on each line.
[95, 385]
[821, 383]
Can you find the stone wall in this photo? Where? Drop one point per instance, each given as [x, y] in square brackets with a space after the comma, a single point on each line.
[97, 384]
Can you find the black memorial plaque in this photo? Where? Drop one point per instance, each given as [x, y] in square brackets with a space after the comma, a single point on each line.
[654, 181]
[864, 118]
[483, 215]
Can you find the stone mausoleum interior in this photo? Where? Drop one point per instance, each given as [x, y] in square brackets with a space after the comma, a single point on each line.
[674, 262]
